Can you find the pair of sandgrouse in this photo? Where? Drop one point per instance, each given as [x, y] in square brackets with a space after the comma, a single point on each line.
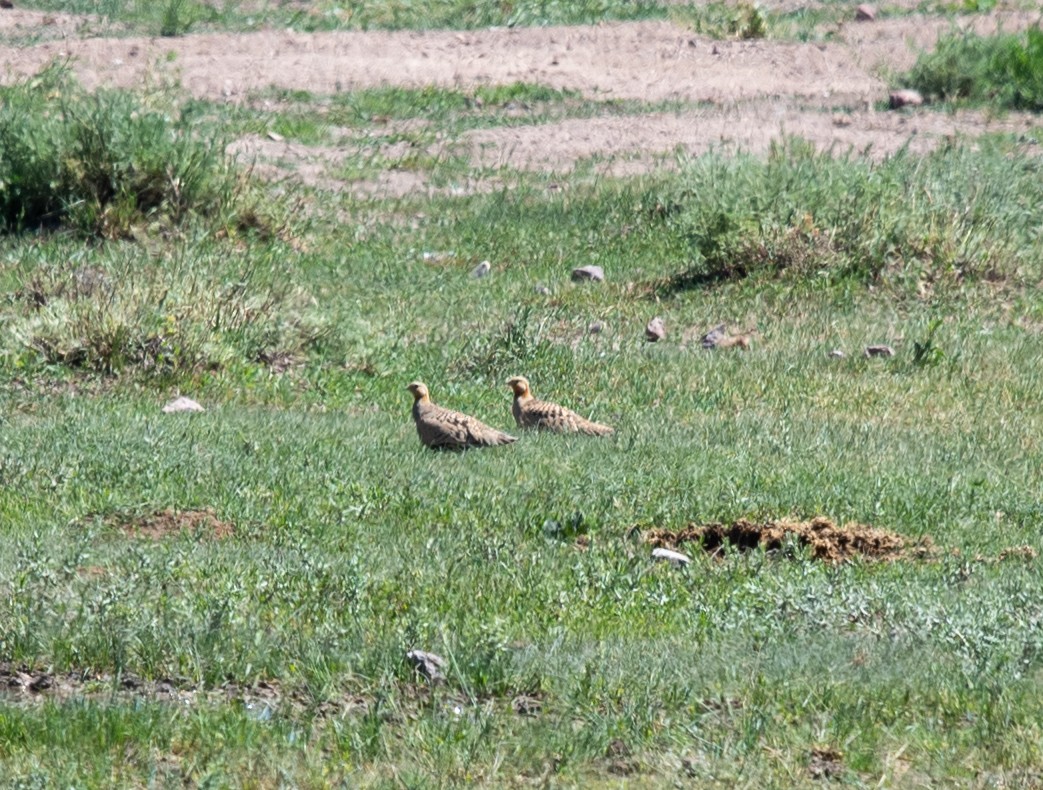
[443, 428]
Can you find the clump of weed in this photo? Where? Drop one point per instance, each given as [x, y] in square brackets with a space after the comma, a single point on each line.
[1005, 70]
[905, 219]
[512, 346]
[173, 316]
[101, 164]
[926, 351]
[178, 16]
[726, 20]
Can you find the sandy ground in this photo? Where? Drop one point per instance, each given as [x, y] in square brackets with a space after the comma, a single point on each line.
[753, 92]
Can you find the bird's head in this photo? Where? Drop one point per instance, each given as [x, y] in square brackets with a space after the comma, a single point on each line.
[520, 386]
[419, 390]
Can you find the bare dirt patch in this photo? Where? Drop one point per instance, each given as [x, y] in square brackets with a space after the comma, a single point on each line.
[821, 537]
[751, 127]
[170, 522]
[262, 699]
[825, 763]
[752, 92]
[650, 61]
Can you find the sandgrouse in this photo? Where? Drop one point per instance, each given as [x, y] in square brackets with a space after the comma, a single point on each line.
[442, 428]
[532, 413]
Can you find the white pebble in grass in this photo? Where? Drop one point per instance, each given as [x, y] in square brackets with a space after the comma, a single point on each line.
[836, 353]
[655, 330]
[865, 13]
[675, 558]
[592, 273]
[182, 404]
[713, 337]
[481, 269]
[429, 665]
[879, 351]
[906, 97]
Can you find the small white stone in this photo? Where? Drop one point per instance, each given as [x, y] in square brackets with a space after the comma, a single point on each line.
[673, 557]
[481, 269]
[879, 351]
[592, 273]
[182, 404]
[430, 665]
[655, 330]
[836, 353]
[713, 337]
[865, 13]
[906, 97]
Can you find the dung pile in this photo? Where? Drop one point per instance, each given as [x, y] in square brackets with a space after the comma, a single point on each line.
[825, 540]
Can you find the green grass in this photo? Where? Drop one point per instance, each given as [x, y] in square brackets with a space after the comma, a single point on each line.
[352, 544]
[720, 20]
[1004, 71]
[102, 163]
[177, 17]
[366, 133]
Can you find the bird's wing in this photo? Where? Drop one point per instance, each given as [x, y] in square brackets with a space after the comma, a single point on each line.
[441, 427]
[552, 417]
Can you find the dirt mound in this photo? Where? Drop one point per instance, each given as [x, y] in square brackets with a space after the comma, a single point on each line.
[825, 540]
[164, 523]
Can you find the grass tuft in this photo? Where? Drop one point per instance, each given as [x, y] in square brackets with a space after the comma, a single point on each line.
[102, 163]
[1004, 70]
[809, 213]
[113, 313]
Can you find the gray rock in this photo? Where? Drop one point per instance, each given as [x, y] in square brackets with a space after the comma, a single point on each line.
[879, 351]
[592, 273]
[542, 290]
[182, 404]
[430, 665]
[865, 13]
[596, 327]
[714, 336]
[482, 269]
[836, 353]
[906, 97]
[655, 330]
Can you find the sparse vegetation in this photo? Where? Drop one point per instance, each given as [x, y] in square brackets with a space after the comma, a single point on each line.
[101, 163]
[908, 219]
[724, 20]
[227, 598]
[1004, 70]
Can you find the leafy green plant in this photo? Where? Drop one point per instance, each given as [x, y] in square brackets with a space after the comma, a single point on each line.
[810, 212]
[119, 314]
[178, 17]
[925, 350]
[1004, 69]
[721, 20]
[102, 163]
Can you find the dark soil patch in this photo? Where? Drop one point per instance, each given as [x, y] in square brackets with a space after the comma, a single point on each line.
[825, 540]
[32, 685]
[825, 763]
[618, 759]
[164, 523]
[1026, 553]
